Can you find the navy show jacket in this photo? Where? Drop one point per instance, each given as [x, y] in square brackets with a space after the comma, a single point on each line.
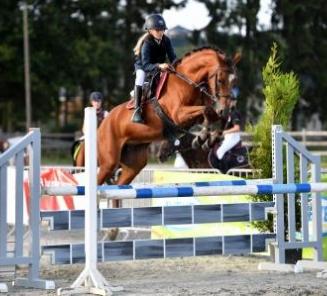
[153, 53]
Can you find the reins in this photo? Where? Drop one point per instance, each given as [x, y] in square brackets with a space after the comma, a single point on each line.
[201, 86]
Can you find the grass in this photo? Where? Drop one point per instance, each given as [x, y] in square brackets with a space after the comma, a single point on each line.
[56, 158]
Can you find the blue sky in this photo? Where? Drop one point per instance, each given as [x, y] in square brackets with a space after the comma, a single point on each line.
[195, 15]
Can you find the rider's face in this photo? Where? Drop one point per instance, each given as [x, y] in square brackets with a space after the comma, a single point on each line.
[157, 33]
[96, 104]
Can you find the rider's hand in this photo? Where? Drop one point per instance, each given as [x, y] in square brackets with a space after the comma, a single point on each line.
[164, 66]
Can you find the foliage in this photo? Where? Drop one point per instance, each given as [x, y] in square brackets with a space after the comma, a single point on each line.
[87, 45]
[301, 26]
[281, 91]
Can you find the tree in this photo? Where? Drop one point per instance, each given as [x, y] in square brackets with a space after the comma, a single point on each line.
[87, 45]
[302, 26]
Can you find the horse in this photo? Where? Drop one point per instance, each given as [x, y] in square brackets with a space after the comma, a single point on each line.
[194, 158]
[202, 77]
[204, 156]
[78, 153]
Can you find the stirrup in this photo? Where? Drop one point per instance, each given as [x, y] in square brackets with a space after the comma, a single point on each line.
[137, 116]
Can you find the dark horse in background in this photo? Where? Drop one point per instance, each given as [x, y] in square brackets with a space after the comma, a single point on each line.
[78, 153]
[204, 156]
[201, 78]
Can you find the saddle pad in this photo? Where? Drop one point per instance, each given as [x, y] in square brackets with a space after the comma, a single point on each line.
[163, 79]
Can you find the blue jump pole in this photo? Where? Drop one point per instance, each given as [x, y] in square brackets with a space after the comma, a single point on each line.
[80, 190]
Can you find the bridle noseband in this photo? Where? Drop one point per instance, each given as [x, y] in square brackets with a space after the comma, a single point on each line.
[201, 86]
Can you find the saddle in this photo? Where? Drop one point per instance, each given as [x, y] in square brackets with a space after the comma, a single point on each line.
[151, 89]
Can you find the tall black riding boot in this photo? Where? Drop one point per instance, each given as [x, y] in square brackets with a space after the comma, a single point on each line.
[137, 115]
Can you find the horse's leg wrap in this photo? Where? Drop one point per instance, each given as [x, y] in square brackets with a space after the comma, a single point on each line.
[137, 115]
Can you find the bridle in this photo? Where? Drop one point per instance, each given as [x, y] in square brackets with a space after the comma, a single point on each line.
[201, 86]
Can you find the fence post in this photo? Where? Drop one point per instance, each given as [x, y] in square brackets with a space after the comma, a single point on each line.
[90, 280]
[32, 142]
[277, 163]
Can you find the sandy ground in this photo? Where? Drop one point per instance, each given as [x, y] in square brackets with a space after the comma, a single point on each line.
[214, 275]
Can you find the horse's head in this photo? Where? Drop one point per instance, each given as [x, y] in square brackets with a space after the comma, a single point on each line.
[210, 71]
[225, 77]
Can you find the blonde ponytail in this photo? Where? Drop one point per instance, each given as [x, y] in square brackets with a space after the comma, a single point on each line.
[139, 43]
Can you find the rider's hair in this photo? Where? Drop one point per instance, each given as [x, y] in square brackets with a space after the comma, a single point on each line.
[139, 43]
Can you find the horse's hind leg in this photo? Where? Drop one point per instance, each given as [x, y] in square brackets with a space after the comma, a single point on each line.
[133, 160]
[108, 160]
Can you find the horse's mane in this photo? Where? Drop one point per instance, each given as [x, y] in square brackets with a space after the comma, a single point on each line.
[216, 49]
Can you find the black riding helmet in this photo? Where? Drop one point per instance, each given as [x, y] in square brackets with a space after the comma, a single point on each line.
[155, 21]
[96, 96]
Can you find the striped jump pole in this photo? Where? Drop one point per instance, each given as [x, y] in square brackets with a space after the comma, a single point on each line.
[190, 190]
[80, 190]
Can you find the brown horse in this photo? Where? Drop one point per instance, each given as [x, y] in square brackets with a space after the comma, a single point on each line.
[201, 77]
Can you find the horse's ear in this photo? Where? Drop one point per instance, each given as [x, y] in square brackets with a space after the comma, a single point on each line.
[236, 58]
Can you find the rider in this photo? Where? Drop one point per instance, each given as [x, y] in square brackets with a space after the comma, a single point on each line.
[232, 125]
[150, 51]
[96, 100]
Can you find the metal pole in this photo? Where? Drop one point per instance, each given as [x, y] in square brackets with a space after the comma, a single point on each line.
[27, 68]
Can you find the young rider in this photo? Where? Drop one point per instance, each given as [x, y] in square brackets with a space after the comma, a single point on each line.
[150, 51]
[96, 101]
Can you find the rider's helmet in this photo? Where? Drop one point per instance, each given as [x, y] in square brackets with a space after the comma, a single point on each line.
[234, 93]
[96, 96]
[155, 21]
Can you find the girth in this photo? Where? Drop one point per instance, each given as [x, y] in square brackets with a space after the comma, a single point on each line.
[171, 131]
